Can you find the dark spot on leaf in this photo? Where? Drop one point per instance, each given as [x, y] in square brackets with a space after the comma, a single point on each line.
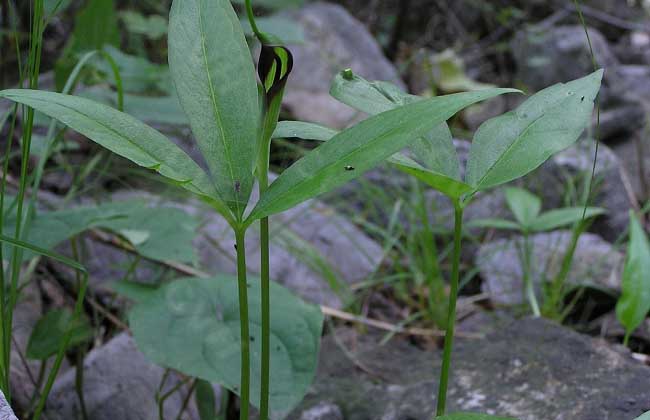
[248, 285]
[278, 348]
[238, 186]
[252, 338]
[235, 246]
[349, 168]
[582, 99]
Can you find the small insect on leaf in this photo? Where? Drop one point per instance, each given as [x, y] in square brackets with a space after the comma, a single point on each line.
[349, 168]
[348, 74]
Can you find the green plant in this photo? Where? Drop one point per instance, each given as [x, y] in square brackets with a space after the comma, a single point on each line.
[504, 148]
[526, 207]
[214, 77]
[634, 303]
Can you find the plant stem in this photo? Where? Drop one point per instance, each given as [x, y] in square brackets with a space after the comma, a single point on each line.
[243, 324]
[451, 315]
[266, 309]
[528, 280]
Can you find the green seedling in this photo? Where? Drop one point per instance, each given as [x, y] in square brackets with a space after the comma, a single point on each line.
[504, 148]
[634, 303]
[232, 117]
[526, 207]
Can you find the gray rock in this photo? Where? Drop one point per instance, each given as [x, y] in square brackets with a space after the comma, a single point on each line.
[634, 48]
[558, 54]
[530, 369]
[596, 263]
[620, 121]
[610, 188]
[635, 158]
[322, 411]
[334, 41]
[630, 83]
[6, 413]
[119, 383]
[313, 250]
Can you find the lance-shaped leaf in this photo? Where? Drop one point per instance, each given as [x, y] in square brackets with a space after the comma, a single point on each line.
[523, 204]
[436, 161]
[634, 304]
[123, 135]
[558, 218]
[303, 130]
[354, 151]
[214, 76]
[512, 145]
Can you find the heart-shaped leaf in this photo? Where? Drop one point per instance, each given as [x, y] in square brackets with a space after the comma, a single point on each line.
[512, 145]
[634, 304]
[356, 150]
[192, 325]
[214, 75]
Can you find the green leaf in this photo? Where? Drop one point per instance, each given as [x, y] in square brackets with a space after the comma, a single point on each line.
[158, 233]
[137, 292]
[446, 185]
[494, 224]
[214, 75]
[512, 145]
[555, 219]
[356, 150]
[123, 135]
[472, 416]
[206, 401]
[153, 27]
[303, 130]
[523, 204]
[438, 161]
[192, 325]
[95, 26]
[645, 416]
[634, 303]
[49, 333]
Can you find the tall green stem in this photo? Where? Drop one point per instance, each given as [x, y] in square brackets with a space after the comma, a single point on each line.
[243, 324]
[266, 308]
[451, 315]
[527, 272]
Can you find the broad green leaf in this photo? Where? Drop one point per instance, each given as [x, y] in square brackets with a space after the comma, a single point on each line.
[206, 402]
[494, 224]
[123, 135]
[192, 325]
[153, 27]
[214, 75]
[135, 291]
[645, 416]
[158, 233]
[512, 145]
[303, 130]
[472, 416]
[435, 152]
[523, 204]
[555, 219]
[634, 303]
[356, 150]
[96, 26]
[49, 333]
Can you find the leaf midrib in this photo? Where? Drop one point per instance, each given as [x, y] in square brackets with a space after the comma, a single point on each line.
[118, 134]
[216, 112]
[487, 172]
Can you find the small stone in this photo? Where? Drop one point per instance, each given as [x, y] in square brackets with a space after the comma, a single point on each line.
[6, 413]
[322, 411]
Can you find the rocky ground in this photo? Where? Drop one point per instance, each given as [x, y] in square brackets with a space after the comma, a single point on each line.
[504, 364]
